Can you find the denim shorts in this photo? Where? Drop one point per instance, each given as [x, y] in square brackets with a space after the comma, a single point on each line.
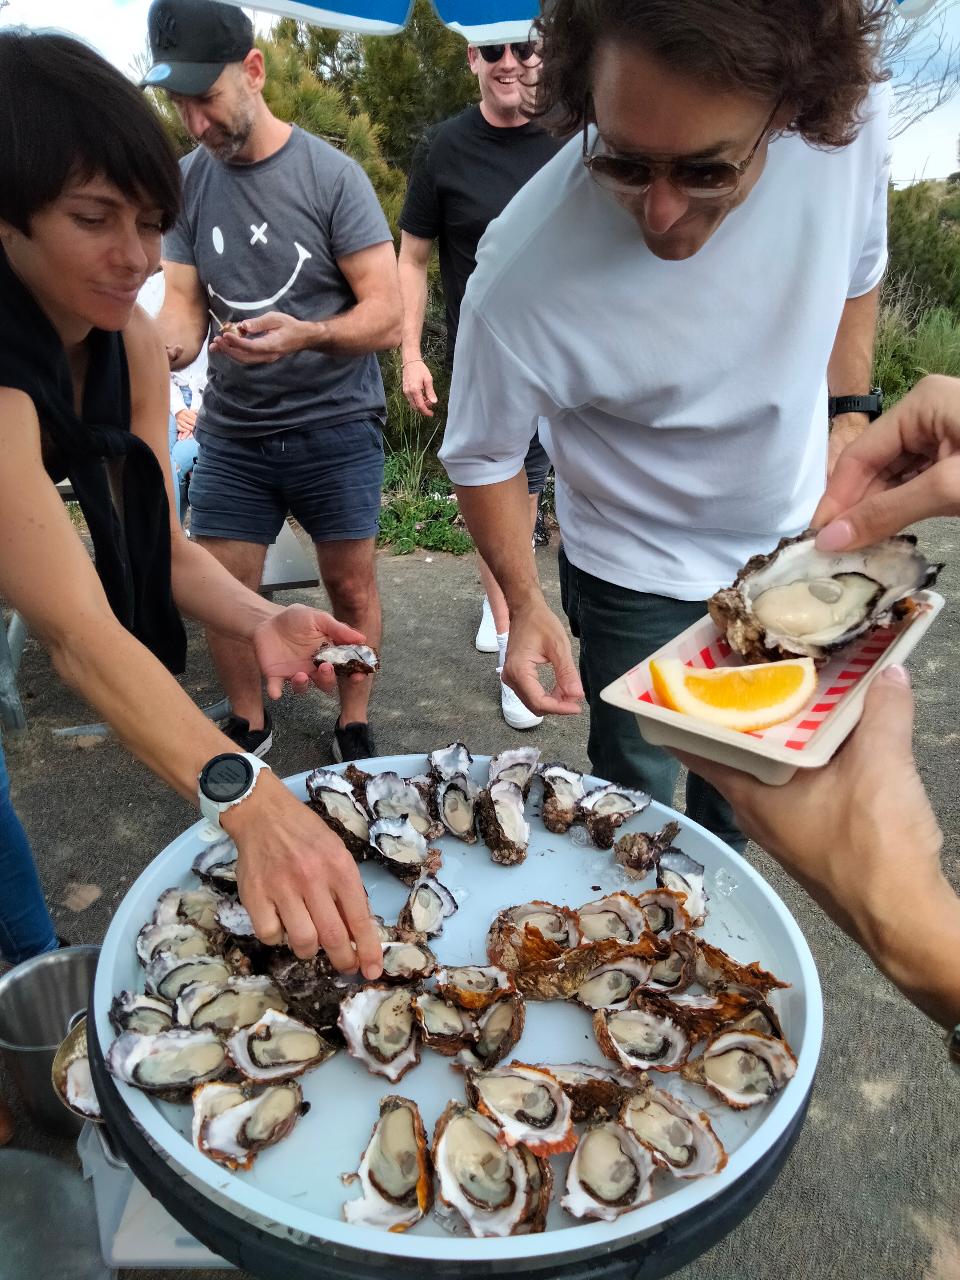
[537, 466]
[329, 478]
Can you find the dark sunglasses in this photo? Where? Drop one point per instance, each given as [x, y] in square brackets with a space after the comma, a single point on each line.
[699, 179]
[494, 52]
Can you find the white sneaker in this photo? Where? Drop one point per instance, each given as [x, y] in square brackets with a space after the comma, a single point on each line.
[486, 640]
[516, 714]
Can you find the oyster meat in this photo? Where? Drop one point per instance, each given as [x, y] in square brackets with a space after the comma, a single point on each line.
[191, 906]
[611, 985]
[167, 974]
[742, 1068]
[169, 1063]
[649, 1036]
[609, 1174]
[228, 1006]
[517, 765]
[618, 915]
[407, 962]
[233, 1123]
[390, 796]
[402, 849]
[473, 986]
[501, 822]
[486, 1183]
[180, 939]
[395, 1171]
[443, 1026]
[217, 865]
[683, 874]
[348, 659]
[498, 1028]
[133, 1011]
[333, 798]
[277, 1047]
[429, 904]
[678, 1137]
[798, 601]
[676, 970]
[457, 806]
[527, 1104]
[379, 1028]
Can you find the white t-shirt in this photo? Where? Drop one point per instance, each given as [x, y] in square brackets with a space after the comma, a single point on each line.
[683, 404]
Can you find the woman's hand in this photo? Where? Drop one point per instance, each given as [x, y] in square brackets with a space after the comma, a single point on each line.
[295, 877]
[903, 468]
[186, 420]
[286, 642]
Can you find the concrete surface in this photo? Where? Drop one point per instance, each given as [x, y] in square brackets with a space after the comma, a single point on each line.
[871, 1190]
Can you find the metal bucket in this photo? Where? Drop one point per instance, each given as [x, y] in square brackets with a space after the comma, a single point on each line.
[39, 1002]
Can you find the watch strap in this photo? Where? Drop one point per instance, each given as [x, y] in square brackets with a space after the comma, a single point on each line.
[871, 404]
[212, 809]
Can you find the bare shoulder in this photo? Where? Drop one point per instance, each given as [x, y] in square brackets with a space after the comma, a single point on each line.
[18, 419]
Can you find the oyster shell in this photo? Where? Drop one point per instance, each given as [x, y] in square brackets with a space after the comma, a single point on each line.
[678, 1137]
[392, 797]
[234, 919]
[457, 806]
[169, 1063]
[450, 762]
[611, 985]
[181, 939]
[233, 1123]
[309, 987]
[618, 915]
[486, 1183]
[517, 765]
[277, 1047]
[742, 1068]
[716, 969]
[217, 865]
[648, 1036]
[539, 1191]
[676, 970]
[501, 823]
[191, 906]
[407, 962]
[801, 601]
[609, 1174]
[401, 848]
[443, 1026]
[133, 1011]
[167, 974]
[333, 798]
[638, 851]
[380, 1031]
[664, 910]
[348, 659]
[395, 1171]
[592, 1088]
[527, 1104]
[429, 904]
[472, 986]
[542, 972]
[498, 1028]
[563, 789]
[228, 1006]
[683, 874]
[555, 925]
[606, 808]
[70, 1074]
[727, 1010]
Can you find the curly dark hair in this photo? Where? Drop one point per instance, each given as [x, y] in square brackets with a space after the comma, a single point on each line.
[819, 56]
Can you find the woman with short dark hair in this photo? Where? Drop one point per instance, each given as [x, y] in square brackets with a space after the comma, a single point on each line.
[88, 184]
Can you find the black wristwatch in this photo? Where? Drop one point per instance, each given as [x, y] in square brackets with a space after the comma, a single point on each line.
[871, 405]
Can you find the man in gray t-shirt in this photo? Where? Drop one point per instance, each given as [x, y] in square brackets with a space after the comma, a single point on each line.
[282, 254]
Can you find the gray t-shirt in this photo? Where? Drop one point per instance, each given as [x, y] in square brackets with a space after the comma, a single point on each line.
[266, 237]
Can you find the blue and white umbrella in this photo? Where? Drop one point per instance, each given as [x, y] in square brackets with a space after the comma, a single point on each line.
[478, 21]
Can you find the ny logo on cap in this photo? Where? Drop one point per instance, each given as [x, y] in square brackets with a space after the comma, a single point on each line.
[165, 32]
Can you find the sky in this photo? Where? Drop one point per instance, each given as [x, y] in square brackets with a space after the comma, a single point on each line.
[117, 28]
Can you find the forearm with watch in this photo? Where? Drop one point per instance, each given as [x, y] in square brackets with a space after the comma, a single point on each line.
[853, 405]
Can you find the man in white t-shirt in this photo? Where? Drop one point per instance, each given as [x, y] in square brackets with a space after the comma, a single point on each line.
[673, 297]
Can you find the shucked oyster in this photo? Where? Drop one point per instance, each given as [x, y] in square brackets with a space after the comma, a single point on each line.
[429, 904]
[563, 790]
[169, 1063]
[395, 1171]
[500, 821]
[401, 848]
[606, 808]
[217, 865]
[498, 1028]
[450, 762]
[457, 804]
[133, 1011]
[379, 1028]
[742, 1068]
[233, 1123]
[485, 1182]
[277, 1047]
[800, 601]
[609, 1174]
[238, 1002]
[678, 1137]
[390, 796]
[645, 1037]
[517, 765]
[527, 1103]
[333, 798]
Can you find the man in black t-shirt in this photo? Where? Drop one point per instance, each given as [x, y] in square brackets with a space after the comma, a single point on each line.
[465, 172]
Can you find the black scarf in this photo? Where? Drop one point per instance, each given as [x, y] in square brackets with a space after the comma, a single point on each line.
[131, 542]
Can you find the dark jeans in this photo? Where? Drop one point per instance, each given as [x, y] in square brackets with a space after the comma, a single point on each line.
[25, 925]
[617, 628]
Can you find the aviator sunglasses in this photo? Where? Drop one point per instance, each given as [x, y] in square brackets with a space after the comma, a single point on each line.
[699, 179]
[494, 52]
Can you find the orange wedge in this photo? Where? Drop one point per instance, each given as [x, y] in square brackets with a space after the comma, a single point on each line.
[744, 698]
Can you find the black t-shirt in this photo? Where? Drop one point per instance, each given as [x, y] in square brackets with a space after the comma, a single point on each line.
[464, 174]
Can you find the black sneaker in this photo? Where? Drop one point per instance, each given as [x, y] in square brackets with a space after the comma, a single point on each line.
[257, 741]
[352, 742]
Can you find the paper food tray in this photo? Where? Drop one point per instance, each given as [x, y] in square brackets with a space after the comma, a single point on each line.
[773, 755]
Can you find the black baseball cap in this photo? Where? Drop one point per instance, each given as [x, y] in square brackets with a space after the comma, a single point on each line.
[192, 41]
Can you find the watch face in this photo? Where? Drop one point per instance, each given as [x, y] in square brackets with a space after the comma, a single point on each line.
[226, 778]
